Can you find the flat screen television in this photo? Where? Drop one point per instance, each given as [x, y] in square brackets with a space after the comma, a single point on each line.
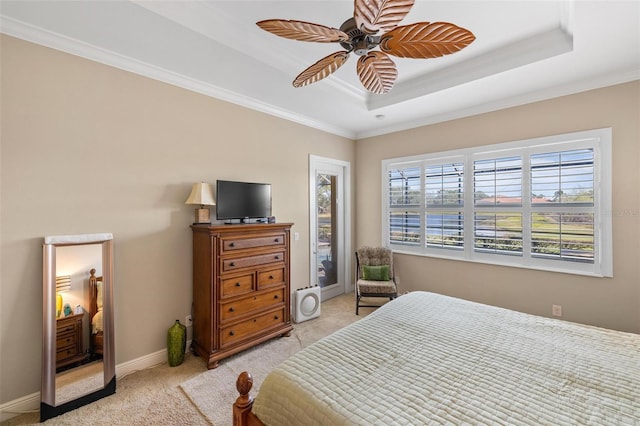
[242, 200]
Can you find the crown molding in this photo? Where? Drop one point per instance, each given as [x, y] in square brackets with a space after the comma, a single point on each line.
[610, 79]
[75, 47]
[37, 35]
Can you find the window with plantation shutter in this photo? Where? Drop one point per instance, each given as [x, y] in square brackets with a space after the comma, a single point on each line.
[444, 199]
[541, 203]
[403, 196]
[497, 193]
[562, 205]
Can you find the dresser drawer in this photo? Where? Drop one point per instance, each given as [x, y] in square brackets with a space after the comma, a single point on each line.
[230, 244]
[233, 264]
[229, 310]
[236, 285]
[68, 326]
[65, 339]
[237, 332]
[270, 278]
[64, 353]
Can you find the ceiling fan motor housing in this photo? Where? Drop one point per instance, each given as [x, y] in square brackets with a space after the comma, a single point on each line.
[359, 42]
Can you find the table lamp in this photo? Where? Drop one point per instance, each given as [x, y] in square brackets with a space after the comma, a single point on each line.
[201, 194]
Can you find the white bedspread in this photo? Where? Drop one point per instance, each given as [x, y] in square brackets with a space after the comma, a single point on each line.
[428, 359]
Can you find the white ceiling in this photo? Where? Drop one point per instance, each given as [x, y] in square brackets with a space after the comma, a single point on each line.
[524, 51]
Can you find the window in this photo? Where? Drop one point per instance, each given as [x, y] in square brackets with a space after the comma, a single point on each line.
[404, 198]
[444, 198]
[497, 200]
[539, 203]
[562, 212]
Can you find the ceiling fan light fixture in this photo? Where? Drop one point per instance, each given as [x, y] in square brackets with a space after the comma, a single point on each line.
[361, 47]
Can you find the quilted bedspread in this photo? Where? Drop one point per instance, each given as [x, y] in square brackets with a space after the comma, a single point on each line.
[428, 359]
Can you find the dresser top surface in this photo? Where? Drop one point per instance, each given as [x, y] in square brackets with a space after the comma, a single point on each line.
[240, 227]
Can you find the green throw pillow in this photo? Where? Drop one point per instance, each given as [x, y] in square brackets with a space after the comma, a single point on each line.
[375, 273]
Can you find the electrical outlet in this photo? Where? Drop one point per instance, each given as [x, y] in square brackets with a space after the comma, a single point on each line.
[556, 310]
[188, 321]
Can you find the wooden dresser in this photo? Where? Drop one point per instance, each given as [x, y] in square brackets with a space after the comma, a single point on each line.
[241, 287]
[69, 340]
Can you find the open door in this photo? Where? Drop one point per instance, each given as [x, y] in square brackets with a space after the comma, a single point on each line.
[330, 234]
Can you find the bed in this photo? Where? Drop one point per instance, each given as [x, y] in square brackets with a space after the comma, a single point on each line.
[95, 314]
[429, 359]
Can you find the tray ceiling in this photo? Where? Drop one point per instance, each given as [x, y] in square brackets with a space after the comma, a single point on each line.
[524, 51]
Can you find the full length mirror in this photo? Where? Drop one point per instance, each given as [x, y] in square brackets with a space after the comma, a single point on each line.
[78, 358]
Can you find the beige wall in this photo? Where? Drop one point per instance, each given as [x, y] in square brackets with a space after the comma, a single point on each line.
[613, 303]
[88, 148]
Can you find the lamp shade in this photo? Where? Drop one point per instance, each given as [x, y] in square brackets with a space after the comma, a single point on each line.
[63, 283]
[202, 194]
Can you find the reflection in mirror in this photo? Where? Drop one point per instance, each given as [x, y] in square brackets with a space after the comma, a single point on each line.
[79, 367]
[78, 352]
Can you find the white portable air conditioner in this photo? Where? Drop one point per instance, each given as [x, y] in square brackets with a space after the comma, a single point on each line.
[307, 302]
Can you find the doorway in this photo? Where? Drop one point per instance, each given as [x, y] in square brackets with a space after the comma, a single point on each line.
[330, 260]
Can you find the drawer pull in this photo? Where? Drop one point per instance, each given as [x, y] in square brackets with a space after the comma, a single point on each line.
[255, 320]
[231, 333]
[277, 257]
[277, 240]
[275, 296]
[275, 317]
[231, 309]
[270, 277]
[232, 244]
[238, 284]
[232, 264]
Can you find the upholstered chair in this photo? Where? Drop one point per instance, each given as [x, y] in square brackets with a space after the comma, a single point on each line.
[374, 275]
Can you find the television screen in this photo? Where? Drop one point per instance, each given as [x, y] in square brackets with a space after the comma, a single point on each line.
[239, 200]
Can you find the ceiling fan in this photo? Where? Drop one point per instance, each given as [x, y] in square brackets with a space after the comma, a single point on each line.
[374, 24]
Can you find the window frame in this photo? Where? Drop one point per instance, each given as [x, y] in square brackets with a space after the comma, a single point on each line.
[600, 140]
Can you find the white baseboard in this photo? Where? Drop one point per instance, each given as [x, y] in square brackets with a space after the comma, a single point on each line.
[26, 404]
[31, 402]
[144, 362]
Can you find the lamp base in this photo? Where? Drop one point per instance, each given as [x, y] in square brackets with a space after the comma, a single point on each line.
[203, 215]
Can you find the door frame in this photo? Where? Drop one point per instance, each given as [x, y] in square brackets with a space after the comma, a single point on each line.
[344, 222]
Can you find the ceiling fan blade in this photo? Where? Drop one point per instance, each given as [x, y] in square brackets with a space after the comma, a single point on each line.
[302, 31]
[377, 72]
[321, 69]
[380, 16]
[426, 40]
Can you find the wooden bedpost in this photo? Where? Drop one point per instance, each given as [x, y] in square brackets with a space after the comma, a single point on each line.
[93, 293]
[243, 404]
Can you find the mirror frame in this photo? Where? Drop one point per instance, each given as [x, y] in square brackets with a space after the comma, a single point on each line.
[48, 407]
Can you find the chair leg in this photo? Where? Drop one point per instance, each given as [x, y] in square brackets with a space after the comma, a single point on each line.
[357, 303]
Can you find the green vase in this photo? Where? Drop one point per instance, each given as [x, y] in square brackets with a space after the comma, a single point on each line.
[176, 343]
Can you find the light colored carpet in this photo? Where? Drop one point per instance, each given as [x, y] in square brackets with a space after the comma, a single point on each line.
[158, 395]
[148, 397]
[214, 391]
